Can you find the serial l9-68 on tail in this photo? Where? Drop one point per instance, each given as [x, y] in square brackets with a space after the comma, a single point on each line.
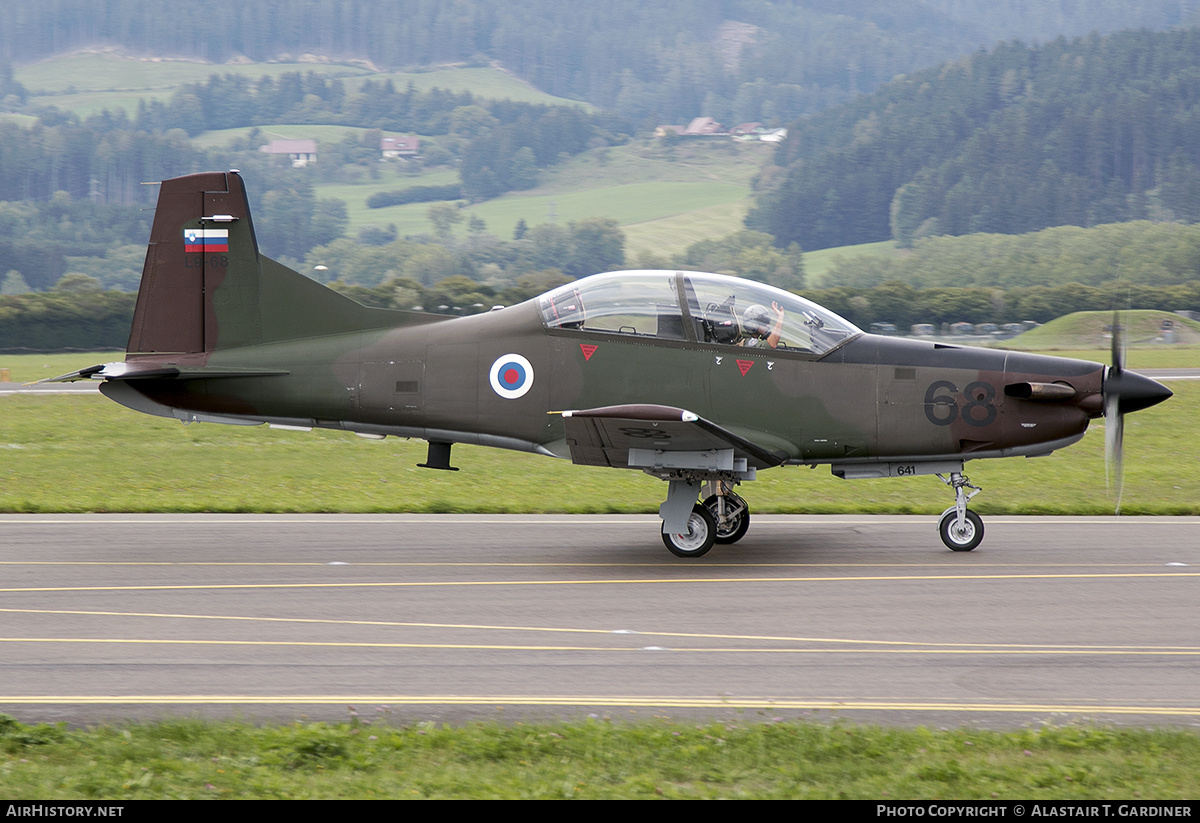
[698, 379]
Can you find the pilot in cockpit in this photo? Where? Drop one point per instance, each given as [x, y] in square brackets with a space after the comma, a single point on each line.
[758, 328]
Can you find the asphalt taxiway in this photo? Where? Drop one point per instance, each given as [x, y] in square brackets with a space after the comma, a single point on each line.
[455, 617]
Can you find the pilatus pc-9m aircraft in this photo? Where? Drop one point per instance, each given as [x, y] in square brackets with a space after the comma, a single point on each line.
[698, 379]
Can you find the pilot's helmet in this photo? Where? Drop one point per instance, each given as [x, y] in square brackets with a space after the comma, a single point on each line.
[756, 321]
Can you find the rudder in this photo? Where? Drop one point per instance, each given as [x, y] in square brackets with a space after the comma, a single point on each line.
[202, 262]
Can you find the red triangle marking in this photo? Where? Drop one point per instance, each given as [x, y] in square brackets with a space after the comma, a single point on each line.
[745, 365]
[587, 350]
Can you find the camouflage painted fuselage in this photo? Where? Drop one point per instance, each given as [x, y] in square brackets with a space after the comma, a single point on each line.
[871, 397]
[231, 336]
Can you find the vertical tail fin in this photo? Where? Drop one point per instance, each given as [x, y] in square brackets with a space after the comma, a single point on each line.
[202, 233]
[205, 287]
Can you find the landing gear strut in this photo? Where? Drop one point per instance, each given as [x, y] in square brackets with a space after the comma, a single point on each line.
[960, 528]
[729, 510]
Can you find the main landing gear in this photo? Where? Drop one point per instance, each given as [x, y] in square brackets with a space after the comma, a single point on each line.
[732, 516]
[960, 528]
[723, 517]
[698, 539]
[691, 529]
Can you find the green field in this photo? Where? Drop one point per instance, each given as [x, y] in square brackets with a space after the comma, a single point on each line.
[355, 195]
[818, 263]
[87, 83]
[664, 202]
[278, 131]
[489, 83]
[637, 203]
[108, 71]
[87, 454]
[1143, 329]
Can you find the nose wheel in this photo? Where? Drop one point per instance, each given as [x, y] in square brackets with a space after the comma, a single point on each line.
[964, 537]
[960, 528]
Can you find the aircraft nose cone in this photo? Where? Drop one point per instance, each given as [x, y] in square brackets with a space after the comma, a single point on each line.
[1134, 391]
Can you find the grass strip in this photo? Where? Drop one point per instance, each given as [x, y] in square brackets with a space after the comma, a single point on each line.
[596, 758]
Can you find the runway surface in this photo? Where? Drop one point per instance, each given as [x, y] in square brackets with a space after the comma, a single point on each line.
[451, 618]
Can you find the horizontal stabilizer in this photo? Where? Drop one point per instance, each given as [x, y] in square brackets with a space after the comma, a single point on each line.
[132, 371]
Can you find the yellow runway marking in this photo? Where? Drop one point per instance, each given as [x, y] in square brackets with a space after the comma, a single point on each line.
[888, 644]
[643, 581]
[703, 702]
[631, 648]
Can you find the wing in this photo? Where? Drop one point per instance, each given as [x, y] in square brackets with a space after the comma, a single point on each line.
[659, 437]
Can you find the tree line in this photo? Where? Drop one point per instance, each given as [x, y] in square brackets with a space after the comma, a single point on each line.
[1035, 277]
[580, 248]
[1139, 252]
[899, 303]
[1013, 278]
[92, 320]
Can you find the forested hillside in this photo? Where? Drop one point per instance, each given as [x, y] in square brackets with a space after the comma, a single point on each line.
[664, 60]
[1005, 138]
[1075, 132]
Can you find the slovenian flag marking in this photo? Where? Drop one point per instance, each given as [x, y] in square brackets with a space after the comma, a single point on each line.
[205, 240]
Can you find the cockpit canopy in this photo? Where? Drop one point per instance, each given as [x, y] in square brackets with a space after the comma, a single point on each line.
[705, 308]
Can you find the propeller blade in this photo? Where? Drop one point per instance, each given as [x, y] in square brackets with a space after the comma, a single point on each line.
[1114, 418]
[1118, 344]
[1114, 445]
[1124, 392]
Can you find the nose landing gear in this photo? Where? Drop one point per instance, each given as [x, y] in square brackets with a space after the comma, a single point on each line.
[960, 528]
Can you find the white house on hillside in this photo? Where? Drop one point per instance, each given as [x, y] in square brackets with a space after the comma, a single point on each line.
[302, 152]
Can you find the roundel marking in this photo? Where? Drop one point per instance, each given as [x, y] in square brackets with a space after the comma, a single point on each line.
[511, 376]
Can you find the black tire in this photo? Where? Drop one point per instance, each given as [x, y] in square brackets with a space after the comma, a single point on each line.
[735, 529]
[698, 539]
[968, 539]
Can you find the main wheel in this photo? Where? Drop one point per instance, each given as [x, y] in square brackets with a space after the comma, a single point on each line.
[735, 527]
[698, 539]
[964, 539]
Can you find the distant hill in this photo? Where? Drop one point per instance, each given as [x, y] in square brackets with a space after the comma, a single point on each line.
[1092, 329]
[1075, 132]
[649, 60]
